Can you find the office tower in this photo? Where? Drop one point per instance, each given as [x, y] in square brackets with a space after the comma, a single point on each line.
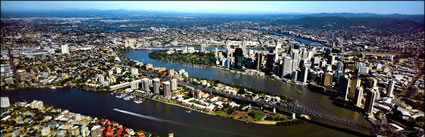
[343, 85]
[239, 58]
[134, 71]
[167, 89]
[270, 63]
[390, 88]
[304, 74]
[295, 59]
[370, 100]
[354, 84]
[173, 84]
[358, 96]
[327, 80]
[259, 60]
[286, 66]
[156, 85]
[65, 49]
[340, 66]
[145, 84]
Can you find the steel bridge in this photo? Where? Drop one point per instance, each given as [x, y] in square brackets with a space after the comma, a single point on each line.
[292, 107]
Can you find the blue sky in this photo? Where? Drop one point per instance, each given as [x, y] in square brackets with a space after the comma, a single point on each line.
[380, 7]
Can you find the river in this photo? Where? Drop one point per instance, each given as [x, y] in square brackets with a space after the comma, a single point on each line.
[162, 118]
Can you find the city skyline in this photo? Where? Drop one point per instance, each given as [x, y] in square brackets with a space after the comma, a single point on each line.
[271, 7]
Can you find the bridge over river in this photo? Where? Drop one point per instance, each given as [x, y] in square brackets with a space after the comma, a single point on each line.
[292, 107]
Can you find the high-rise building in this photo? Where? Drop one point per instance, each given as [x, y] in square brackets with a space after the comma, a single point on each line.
[343, 86]
[4, 102]
[295, 59]
[173, 84]
[145, 84]
[327, 80]
[135, 84]
[370, 100]
[270, 63]
[259, 59]
[156, 85]
[65, 49]
[286, 66]
[197, 94]
[304, 75]
[354, 84]
[358, 96]
[390, 88]
[167, 89]
[239, 58]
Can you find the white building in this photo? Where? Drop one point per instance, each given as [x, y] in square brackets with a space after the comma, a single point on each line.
[5, 102]
[173, 84]
[37, 104]
[134, 71]
[65, 49]
[135, 84]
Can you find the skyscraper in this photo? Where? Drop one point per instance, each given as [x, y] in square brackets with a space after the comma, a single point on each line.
[173, 84]
[304, 74]
[167, 89]
[259, 59]
[239, 58]
[156, 85]
[145, 84]
[270, 63]
[390, 88]
[370, 100]
[65, 49]
[286, 66]
[358, 96]
[295, 59]
[343, 86]
[354, 84]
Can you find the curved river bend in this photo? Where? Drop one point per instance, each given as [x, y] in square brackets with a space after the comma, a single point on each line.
[162, 118]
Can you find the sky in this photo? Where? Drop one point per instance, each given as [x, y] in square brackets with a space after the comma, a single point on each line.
[379, 7]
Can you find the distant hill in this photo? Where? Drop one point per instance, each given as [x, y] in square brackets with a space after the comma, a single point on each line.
[334, 22]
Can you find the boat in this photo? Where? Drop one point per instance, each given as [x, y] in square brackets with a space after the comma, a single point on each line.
[120, 96]
[138, 101]
[188, 111]
[52, 87]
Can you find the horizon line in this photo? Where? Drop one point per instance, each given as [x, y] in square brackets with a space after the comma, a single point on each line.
[207, 11]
